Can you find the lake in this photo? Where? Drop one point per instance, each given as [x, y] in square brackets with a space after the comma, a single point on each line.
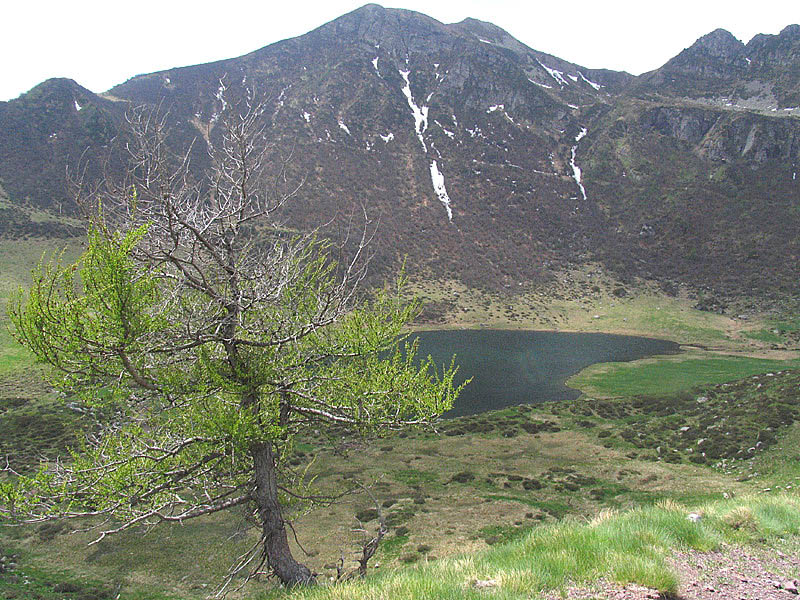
[527, 367]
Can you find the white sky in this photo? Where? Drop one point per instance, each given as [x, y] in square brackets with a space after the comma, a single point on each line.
[102, 43]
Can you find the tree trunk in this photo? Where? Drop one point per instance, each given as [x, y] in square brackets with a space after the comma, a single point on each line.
[276, 542]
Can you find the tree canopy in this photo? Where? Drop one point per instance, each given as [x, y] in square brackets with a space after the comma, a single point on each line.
[217, 335]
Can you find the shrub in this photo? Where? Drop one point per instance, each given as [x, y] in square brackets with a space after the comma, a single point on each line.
[463, 477]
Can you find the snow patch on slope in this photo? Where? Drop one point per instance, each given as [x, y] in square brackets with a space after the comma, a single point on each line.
[77, 105]
[554, 73]
[344, 128]
[545, 86]
[420, 112]
[388, 137]
[596, 86]
[438, 186]
[502, 109]
[447, 132]
[220, 95]
[476, 131]
[576, 170]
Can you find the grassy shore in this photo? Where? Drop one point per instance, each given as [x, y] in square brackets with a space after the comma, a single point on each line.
[586, 300]
[670, 375]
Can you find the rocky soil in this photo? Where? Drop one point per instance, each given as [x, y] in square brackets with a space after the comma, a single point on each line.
[729, 573]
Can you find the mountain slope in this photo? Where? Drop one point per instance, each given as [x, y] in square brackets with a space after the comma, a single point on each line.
[48, 129]
[457, 144]
[485, 160]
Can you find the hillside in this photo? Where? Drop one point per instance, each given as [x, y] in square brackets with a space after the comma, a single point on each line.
[483, 160]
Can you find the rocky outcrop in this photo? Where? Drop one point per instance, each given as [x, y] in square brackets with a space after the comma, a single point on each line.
[728, 136]
[754, 139]
[685, 124]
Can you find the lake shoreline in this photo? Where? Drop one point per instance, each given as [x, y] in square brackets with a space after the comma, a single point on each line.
[511, 367]
[728, 349]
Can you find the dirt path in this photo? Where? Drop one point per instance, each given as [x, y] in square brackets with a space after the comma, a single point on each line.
[729, 573]
[737, 573]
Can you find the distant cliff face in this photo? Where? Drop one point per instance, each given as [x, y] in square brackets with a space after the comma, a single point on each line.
[483, 159]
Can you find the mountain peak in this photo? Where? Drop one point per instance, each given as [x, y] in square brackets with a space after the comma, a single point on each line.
[711, 57]
[370, 13]
[58, 88]
[58, 83]
[394, 28]
[484, 31]
[781, 49]
[720, 43]
[480, 28]
[478, 24]
[791, 32]
[465, 145]
[367, 11]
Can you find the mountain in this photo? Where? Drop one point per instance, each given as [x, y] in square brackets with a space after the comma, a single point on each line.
[720, 70]
[48, 129]
[485, 160]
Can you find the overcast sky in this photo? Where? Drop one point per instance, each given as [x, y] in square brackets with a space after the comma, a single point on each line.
[102, 43]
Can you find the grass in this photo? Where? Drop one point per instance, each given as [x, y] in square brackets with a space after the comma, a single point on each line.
[470, 487]
[671, 374]
[729, 425]
[581, 300]
[660, 317]
[780, 467]
[36, 584]
[413, 477]
[173, 563]
[516, 483]
[776, 330]
[32, 428]
[764, 335]
[17, 259]
[554, 508]
[629, 547]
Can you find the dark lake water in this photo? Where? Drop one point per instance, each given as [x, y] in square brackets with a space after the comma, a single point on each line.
[526, 367]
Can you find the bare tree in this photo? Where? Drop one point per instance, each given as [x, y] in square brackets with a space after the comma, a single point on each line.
[221, 335]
